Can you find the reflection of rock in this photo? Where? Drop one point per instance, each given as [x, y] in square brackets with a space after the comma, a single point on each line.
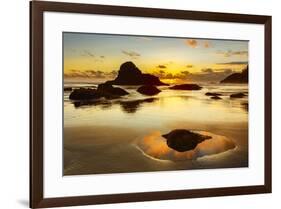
[84, 103]
[103, 90]
[190, 86]
[237, 95]
[67, 89]
[245, 105]
[212, 94]
[237, 77]
[133, 106]
[216, 98]
[129, 74]
[127, 106]
[84, 94]
[184, 140]
[148, 90]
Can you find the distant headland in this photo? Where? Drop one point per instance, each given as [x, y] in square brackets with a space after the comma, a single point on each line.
[237, 77]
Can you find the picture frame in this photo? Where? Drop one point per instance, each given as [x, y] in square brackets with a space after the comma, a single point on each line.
[37, 10]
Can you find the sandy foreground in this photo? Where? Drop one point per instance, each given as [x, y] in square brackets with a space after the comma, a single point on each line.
[106, 149]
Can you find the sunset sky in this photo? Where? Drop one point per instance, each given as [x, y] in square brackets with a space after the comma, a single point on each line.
[97, 57]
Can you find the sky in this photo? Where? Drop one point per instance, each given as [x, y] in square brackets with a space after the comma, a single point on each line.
[97, 57]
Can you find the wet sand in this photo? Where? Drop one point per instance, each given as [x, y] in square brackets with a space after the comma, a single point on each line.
[103, 137]
[101, 149]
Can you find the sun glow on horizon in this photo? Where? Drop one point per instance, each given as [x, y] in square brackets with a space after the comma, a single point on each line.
[97, 57]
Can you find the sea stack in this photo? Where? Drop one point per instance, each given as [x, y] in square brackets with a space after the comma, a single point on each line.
[129, 74]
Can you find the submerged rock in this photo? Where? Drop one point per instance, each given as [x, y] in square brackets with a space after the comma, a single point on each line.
[212, 94]
[129, 74]
[148, 90]
[189, 86]
[237, 95]
[183, 140]
[216, 98]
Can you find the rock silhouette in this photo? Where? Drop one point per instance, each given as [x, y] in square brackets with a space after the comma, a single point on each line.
[129, 74]
[237, 95]
[148, 90]
[67, 88]
[212, 94]
[216, 97]
[103, 90]
[183, 140]
[237, 77]
[85, 94]
[190, 86]
[109, 91]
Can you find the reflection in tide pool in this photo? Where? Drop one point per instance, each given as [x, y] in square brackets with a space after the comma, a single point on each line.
[155, 146]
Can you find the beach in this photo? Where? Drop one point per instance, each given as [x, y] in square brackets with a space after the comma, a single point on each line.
[125, 134]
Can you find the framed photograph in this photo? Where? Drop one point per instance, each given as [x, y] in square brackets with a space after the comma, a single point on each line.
[139, 104]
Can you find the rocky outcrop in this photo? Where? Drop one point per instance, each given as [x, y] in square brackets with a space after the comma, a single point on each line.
[183, 140]
[85, 94]
[237, 95]
[237, 77]
[129, 74]
[216, 98]
[190, 86]
[110, 91]
[148, 90]
[103, 90]
[67, 89]
[212, 94]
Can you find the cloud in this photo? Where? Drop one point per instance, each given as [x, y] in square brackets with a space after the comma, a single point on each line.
[205, 75]
[230, 53]
[185, 73]
[131, 54]
[102, 57]
[191, 43]
[161, 66]
[87, 53]
[95, 74]
[189, 66]
[207, 70]
[233, 63]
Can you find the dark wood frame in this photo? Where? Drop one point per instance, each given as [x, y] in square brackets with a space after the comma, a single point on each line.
[37, 9]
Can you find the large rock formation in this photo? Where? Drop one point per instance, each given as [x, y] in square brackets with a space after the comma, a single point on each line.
[129, 74]
[183, 140]
[189, 86]
[237, 77]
